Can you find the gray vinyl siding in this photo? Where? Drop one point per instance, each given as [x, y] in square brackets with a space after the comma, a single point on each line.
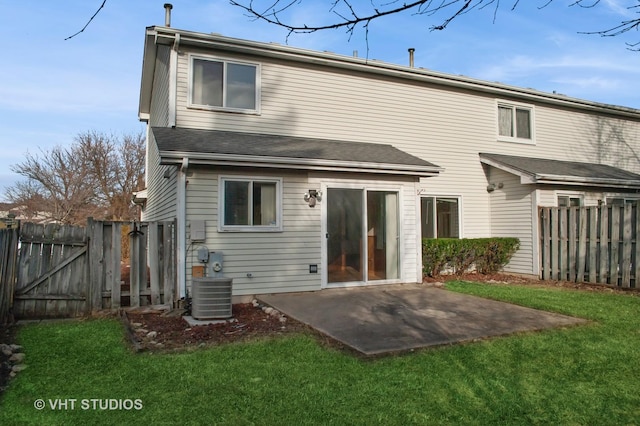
[275, 261]
[512, 216]
[161, 190]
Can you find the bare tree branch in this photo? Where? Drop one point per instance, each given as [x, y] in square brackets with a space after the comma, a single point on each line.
[95, 176]
[351, 17]
[88, 22]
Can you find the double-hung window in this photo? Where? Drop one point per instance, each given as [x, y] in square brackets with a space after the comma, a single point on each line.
[569, 201]
[440, 217]
[250, 204]
[223, 84]
[515, 122]
[621, 201]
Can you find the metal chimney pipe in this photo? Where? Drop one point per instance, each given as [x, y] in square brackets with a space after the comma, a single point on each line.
[167, 14]
[411, 52]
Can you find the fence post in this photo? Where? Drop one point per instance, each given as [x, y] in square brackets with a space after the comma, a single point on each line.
[96, 264]
[604, 245]
[626, 246]
[154, 265]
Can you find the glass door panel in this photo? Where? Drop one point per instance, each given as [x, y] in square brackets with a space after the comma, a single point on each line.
[383, 236]
[344, 239]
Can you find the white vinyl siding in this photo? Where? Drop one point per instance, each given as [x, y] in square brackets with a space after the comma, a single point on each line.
[512, 216]
[422, 119]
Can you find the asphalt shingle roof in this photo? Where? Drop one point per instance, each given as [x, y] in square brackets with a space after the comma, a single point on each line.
[541, 168]
[222, 143]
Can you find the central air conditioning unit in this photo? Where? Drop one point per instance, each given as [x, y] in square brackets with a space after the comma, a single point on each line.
[211, 295]
[211, 298]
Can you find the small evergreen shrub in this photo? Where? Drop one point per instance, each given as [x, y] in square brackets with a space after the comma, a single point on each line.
[488, 255]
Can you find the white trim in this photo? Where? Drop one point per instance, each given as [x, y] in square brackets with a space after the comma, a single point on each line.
[250, 228]
[225, 62]
[532, 121]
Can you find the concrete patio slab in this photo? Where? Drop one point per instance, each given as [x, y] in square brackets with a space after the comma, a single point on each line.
[393, 318]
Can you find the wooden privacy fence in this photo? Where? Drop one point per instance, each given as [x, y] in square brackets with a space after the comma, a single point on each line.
[590, 244]
[67, 271]
[8, 262]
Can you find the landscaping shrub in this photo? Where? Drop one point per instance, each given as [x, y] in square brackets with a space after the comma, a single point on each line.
[488, 255]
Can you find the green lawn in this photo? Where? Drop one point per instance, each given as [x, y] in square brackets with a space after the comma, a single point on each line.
[582, 375]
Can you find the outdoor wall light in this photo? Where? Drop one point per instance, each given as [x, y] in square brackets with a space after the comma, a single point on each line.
[312, 197]
[492, 186]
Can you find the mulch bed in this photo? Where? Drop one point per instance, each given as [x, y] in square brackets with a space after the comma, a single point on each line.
[166, 331]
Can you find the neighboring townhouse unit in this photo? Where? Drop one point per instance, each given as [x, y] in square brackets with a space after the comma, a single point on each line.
[309, 170]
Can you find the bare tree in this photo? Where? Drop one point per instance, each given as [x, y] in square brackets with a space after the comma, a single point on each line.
[95, 176]
[351, 14]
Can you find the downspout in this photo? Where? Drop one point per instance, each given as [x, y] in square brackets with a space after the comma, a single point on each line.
[173, 81]
[181, 232]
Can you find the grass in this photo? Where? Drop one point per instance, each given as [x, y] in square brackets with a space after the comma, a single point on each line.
[581, 375]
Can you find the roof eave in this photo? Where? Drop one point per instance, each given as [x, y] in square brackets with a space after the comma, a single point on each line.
[148, 70]
[587, 181]
[176, 157]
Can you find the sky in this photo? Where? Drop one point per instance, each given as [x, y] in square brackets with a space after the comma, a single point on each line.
[54, 89]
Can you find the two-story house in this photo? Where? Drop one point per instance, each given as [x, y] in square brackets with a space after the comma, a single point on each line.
[309, 170]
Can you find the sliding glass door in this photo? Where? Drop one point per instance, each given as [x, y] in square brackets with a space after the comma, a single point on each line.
[363, 237]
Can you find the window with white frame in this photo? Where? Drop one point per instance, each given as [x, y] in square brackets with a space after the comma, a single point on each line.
[621, 201]
[515, 122]
[222, 84]
[250, 204]
[569, 201]
[440, 217]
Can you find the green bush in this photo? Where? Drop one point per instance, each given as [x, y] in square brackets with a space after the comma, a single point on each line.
[488, 255]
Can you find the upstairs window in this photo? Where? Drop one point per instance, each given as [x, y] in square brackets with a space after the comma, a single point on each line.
[220, 84]
[515, 123]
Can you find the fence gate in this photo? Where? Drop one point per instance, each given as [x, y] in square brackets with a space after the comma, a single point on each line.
[52, 272]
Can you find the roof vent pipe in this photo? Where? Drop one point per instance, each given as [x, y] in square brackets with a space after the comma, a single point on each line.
[411, 51]
[167, 14]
